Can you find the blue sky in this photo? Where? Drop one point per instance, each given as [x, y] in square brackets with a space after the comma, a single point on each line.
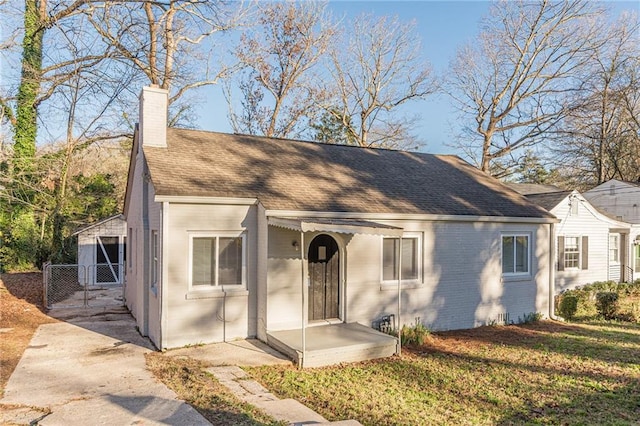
[443, 27]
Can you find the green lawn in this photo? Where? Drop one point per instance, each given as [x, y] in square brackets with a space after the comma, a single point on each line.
[546, 373]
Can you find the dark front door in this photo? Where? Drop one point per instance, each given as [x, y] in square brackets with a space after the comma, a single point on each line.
[107, 267]
[324, 275]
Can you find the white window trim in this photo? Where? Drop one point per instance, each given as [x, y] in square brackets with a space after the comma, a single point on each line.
[420, 259]
[529, 251]
[215, 287]
[573, 268]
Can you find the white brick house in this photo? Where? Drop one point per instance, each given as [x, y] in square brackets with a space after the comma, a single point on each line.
[236, 236]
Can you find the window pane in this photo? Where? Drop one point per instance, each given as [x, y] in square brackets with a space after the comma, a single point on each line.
[613, 248]
[409, 258]
[571, 252]
[204, 261]
[389, 259]
[230, 260]
[522, 254]
[507, 254]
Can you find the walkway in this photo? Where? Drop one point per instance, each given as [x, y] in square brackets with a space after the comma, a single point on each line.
[91, 372]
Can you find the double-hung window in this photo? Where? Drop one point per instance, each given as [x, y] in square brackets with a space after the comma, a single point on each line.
[217, 261]
[614, 248]
[571, 252]
[515, 254]
[411, 262]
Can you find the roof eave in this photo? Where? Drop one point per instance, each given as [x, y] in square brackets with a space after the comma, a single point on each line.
[412, 216]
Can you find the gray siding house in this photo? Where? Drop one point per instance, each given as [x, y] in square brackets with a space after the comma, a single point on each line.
[617, 198]
[236, 236]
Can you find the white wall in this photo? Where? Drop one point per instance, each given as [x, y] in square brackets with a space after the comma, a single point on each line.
[195, 316]
[461, 286]
[284, 275]
[143, 303]
[135, 262]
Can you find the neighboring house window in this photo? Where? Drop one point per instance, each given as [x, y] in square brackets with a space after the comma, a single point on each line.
[636, 249]
[217, 260]
[614, 248]
[411, 258]
[515, 254]
[154, 258]
[573, 252]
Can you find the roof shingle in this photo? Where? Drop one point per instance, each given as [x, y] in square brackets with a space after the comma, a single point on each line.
[308, 176]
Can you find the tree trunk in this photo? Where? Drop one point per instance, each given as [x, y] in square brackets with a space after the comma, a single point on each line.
[485, 163]
[24, 147]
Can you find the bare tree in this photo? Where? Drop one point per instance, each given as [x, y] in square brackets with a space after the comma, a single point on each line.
[169, 43]
[278, 68]
[377, 68]
[513, 84]
[601, 136]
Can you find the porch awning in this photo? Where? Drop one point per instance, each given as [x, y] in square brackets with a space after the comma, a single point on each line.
[343, 226]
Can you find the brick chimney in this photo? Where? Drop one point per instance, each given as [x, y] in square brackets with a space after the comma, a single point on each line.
[153, 116]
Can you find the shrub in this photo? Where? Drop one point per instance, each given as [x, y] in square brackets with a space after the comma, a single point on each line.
[607, 304]
[415, 334]
[568, 306]
[626, 306]
[530, 318]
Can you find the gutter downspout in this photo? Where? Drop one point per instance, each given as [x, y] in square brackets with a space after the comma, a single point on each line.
[145, 256]
[164, 277]
[399, 297]
[552, 272]
[302, 282]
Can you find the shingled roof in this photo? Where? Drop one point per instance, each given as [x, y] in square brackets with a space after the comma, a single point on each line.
[548, 200]
[532, 188]
[307, 176]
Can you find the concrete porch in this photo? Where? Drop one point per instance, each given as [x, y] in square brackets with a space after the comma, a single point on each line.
[333, 344]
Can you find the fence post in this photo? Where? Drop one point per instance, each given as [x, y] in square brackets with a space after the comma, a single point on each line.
[45, 284]
[85, 284]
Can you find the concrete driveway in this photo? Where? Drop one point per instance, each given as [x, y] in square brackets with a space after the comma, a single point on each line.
[91, 372]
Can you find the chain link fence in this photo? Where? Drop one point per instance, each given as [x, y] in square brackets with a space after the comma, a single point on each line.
[74, 286]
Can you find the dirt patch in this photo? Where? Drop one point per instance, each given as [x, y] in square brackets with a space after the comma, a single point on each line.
[21, 313]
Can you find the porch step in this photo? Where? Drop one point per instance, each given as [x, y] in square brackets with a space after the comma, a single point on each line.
[333, 344]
